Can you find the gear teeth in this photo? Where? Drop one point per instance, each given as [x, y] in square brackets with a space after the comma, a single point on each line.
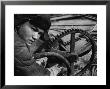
[63, 33]
[78, 30]
[72, 29]
[67, 31]
[58, 36]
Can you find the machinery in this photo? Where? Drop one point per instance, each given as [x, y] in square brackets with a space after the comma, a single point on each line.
[58, 53]
[75, 60]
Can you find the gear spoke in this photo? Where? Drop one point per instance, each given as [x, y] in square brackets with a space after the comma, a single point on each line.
[72, 42]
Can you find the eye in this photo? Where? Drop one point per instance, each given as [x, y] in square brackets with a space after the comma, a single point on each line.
[40, 33]
[34, 29]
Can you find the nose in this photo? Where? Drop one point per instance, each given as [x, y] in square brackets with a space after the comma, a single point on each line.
[35, 35]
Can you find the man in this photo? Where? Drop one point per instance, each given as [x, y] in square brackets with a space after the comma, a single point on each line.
[31, 31]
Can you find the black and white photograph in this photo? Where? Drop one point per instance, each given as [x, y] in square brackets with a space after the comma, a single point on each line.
[55, 44]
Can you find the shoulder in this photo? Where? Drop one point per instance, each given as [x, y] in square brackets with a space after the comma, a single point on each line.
[20, 47]
[18, 41]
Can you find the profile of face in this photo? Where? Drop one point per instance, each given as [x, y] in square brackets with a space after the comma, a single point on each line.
[29, 33]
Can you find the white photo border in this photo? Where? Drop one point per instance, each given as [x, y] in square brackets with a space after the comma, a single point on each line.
[100, 10]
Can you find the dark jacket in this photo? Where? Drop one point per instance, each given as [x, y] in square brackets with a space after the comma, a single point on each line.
[24, 63]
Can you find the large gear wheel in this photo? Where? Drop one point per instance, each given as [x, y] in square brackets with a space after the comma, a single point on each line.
[84, 34]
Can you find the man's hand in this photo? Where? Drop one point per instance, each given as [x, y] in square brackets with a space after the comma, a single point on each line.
[42, 61]
[54, 70]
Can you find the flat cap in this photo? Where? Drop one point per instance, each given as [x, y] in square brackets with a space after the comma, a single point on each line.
[38, 20]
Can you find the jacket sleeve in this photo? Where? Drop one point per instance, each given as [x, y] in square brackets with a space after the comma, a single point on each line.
[32, 70]
[25, 65]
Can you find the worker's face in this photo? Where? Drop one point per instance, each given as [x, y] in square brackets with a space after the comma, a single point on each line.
[29, 33]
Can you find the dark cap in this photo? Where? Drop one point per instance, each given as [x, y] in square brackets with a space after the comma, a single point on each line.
[41, 21]
[38, 20]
